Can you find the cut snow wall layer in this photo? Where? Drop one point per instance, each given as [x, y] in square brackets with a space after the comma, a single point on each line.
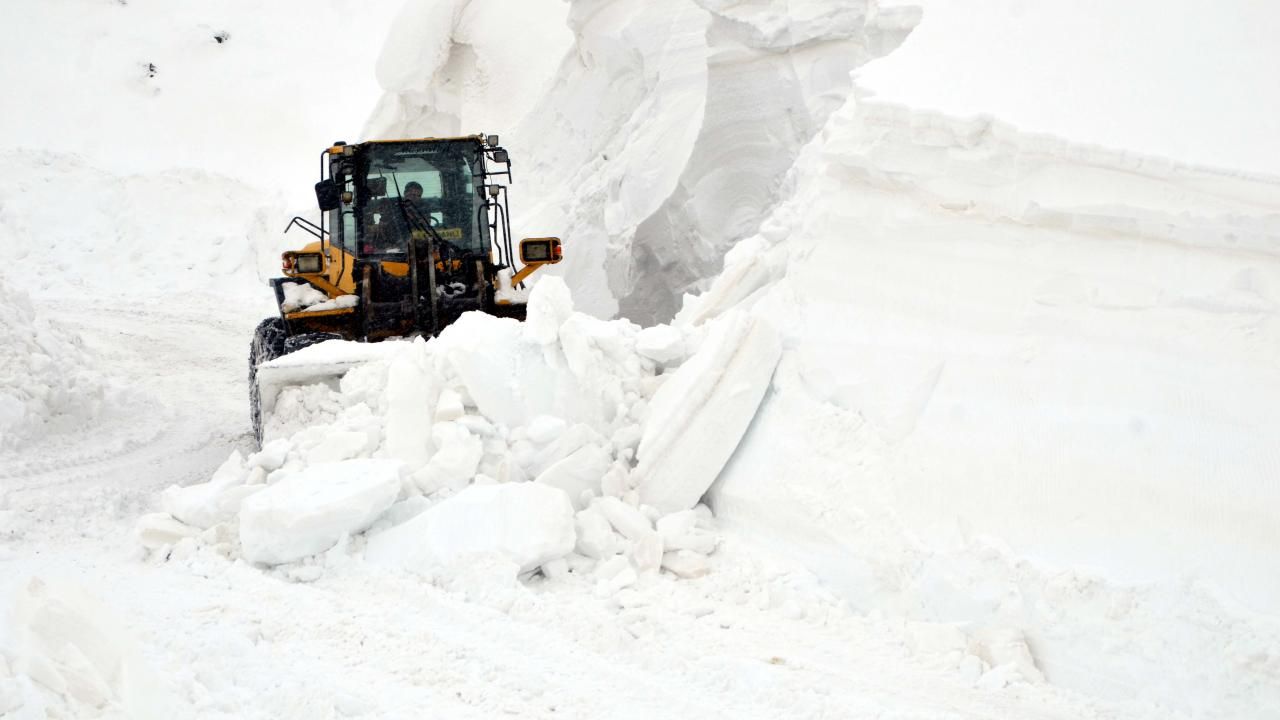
[698, 416]
[661, 139]
[1004, 347]
[775, 71]
[461, 67]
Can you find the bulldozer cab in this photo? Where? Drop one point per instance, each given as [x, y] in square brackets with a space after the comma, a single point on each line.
[412, 234]
[421, 228]
[429, 187]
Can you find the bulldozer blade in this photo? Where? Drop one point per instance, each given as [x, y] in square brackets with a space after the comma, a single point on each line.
[323, 363]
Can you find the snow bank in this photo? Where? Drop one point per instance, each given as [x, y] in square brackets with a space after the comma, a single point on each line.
[167, 235]
[459, 67]
[1028, 384]
[512, 441]
[48, 380]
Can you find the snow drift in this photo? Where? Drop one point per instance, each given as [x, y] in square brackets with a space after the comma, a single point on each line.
[81, 228]
[48, 380]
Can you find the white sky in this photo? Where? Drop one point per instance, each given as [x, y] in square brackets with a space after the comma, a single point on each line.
[1193, 80]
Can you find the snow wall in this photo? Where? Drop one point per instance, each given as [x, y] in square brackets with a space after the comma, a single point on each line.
[1025, 382]
[660, 138]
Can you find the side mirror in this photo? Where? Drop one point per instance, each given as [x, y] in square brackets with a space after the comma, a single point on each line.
[376, 186]
[328, 195]
[491, 141]
[540, 251]
[501, 156]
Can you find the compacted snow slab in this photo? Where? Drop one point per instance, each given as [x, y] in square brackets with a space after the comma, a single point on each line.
[309, 512]
[526, 523]
[699, 415]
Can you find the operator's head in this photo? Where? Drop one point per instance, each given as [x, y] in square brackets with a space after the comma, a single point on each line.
[413, 191]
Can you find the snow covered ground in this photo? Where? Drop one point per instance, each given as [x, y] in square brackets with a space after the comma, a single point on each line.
[995, 410]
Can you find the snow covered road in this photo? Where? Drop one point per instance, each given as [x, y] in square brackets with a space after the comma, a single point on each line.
[176, 405]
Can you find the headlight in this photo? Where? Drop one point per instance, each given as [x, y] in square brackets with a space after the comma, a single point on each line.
[540, 250]
[308, 263]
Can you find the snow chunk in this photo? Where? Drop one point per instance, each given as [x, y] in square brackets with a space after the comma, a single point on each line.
[450, 406]
[337, 446]
[157, 530]
[579, 473]
[527, 523]
[698, 416]
[646, 548]
[661, 343]
[625, 519]
[456, 459]
[544, 428]
[271, 456]
[550, 305]
[685, 564]
[409, 392]
[300, 295]
[207, 504]
[339, 303]
[564, 445]
[595, 535]
[307, 513]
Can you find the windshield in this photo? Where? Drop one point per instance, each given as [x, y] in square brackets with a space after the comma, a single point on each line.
[412, 185]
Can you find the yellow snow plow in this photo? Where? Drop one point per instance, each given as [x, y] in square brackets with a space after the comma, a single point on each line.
[412, 234]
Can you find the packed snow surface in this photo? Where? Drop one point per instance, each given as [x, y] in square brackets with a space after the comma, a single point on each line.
[932, 416]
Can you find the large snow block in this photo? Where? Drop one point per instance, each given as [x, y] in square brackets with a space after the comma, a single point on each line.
[698, 417]
[309, 512]
[207, 504]
[578, 473]
[526, 523]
